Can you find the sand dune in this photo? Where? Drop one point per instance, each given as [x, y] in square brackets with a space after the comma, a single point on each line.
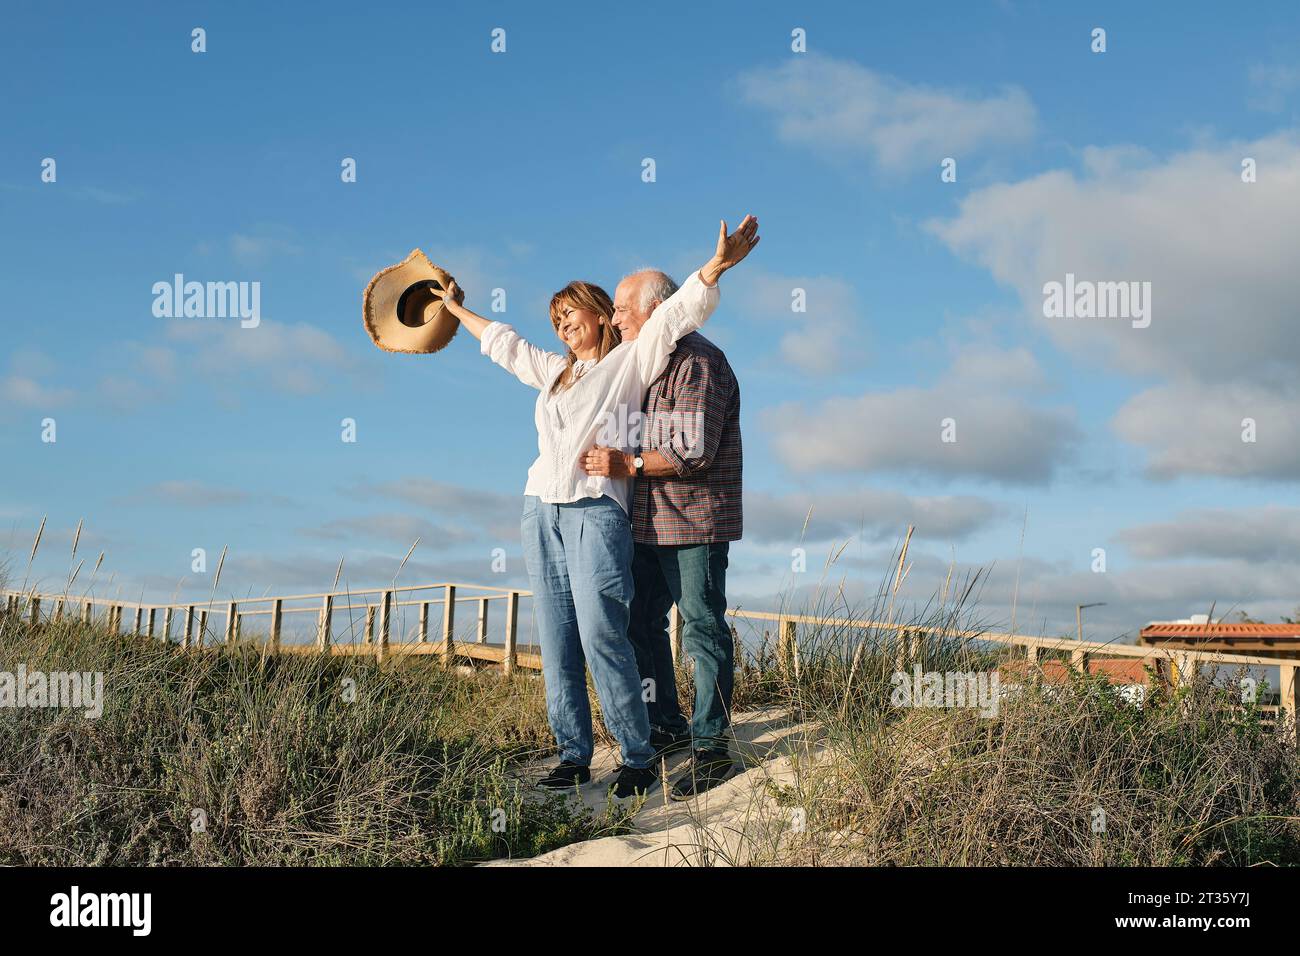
[736, 823]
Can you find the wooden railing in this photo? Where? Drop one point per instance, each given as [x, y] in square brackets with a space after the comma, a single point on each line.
[1183, 664]
[382, 607]
[198, 624]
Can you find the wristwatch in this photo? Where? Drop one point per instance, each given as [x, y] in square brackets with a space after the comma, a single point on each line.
[638, 463]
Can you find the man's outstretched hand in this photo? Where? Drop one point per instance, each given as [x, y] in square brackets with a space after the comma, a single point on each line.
[731, 248]
[606, 462]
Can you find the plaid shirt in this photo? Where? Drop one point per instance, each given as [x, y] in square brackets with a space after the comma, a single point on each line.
[692, 418]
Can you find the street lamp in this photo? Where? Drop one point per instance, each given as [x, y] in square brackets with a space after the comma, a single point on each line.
[1078, 615]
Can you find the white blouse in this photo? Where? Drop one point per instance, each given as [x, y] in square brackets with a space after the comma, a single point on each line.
[604, 405]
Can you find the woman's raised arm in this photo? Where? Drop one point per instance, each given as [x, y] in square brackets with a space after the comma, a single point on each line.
[534, 367]
[453, 298]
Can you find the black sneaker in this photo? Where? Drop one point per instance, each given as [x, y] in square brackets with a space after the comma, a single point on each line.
[665, 742]
[632, 782]
[708, 769]
[565, 777]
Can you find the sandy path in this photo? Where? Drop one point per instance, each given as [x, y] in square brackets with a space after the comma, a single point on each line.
[731, 824]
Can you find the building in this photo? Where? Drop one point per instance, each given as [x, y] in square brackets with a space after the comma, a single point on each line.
[1197, 633]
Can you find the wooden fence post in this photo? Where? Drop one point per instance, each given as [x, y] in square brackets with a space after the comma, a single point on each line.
[787, 645]
[1288, 703]
[188, 639]
[1184, 670]
[167, 625]
[449, 624]
[512, 632]
[369, 636]
[277, 617]
[232, 622]
[325, 622]
[136, 618]
[1032, 674]
[153, 621]
[385, 623]
[36, 610]
[482, 621]
[1079, 660]
[675, 632]
[201, 638]
[58, 610]
[422, 632]
[87, 612]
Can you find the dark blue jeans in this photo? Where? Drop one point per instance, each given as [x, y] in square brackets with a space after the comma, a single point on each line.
[694, 577]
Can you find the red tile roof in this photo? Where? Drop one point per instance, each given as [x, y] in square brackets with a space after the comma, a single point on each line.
[1224, 630]
[1119, 671]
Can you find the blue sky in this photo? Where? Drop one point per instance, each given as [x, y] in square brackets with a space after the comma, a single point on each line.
[522, 170]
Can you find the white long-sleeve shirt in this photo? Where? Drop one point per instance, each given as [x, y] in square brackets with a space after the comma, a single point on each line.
[604, 405]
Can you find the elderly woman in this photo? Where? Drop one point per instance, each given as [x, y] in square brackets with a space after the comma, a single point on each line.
[576, 532]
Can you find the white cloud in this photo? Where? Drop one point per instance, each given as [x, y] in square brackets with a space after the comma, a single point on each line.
[22, 390]
[977, 365]
[839, 107]
[396, 528]
[828, 337]
[1218, 253]
[497, 514]
[1266, 534]
[999, 436]
[869, 514]
[294, 357]
[26, 385]
[194, 494]
[249, 574]
[1195, 429]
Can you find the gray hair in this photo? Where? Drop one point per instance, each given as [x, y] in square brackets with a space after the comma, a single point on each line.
[657, 285]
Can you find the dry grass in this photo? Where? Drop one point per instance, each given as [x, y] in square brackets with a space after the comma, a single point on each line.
[1063, 775]
[286, 760]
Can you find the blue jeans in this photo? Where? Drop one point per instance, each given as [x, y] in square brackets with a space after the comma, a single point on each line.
[694, 577]
[579, 558]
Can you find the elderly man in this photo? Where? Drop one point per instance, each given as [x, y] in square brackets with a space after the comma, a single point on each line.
[686, 510]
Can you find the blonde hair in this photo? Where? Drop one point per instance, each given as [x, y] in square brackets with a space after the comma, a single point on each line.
[592, 298]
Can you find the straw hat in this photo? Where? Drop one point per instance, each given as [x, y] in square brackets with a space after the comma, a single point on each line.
[400, 310]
